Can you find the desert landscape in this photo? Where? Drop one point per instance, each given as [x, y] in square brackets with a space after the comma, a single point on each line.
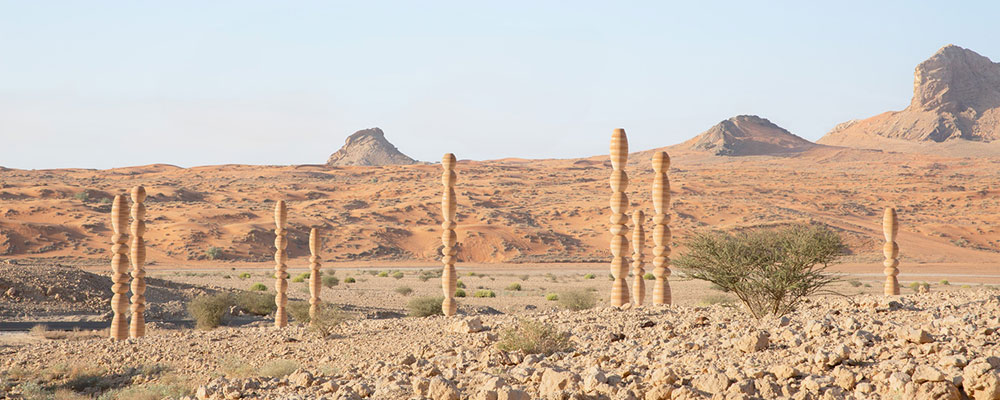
[536, 316]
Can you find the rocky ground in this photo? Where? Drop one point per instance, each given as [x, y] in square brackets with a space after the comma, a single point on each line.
[939, 345]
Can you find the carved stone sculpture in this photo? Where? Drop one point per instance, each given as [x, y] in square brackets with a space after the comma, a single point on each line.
[449, 281]
[119, 263]
[619, 206]
[638, 274]
[661, 228]
[280, 268]
[315, 280]
[137, 326]
[891, 252]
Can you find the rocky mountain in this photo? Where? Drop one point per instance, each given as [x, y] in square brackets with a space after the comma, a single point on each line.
[746, 135]
[368, 147]
[956, 97]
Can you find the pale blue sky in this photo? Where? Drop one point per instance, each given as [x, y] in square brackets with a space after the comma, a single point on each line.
[102, 84]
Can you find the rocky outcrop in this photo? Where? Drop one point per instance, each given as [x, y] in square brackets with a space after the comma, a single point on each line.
[747, 135]
[368, 147]
[956, 97]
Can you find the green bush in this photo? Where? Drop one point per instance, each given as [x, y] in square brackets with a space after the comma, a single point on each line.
[404, 290]
[459, 293]
[301, 277]
[330, 281]
[349, 279]
[770, 271]
[82, 196]
[397, 275]
[260, 287]
[649, 276]
[514, 287]
[552, 297]
[944, 282]
[589, 276]
[425, 306]
[299, 311]
[256, 303]
[459, 284]
[383, 274]
[577, 300]
[245, 275]
[209, 310]
[213, 253]
[534, 337]
[484, 293]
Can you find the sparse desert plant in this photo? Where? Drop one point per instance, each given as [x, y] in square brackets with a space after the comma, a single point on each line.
[383, 274]
[397, 275]
[716, 299]
[770, 271]
[260, 287]
[459, 284]
[944, 282]
[589, 276]
[349, 279]
[404, 290]
[484, 293]
[854, 283]
[245, 275]
[208, 311]
[299, 311]
[213, 253]
[255, 302]
[278, 368]
[514, 287]
[330, 281]
[425, 306]
[525, 277]
[534, 337]
[300, 277]
[611, 277]
[327, 317]
[649, 276]
[577, 300]
[459, 293]
[552, 297]
[82, 196]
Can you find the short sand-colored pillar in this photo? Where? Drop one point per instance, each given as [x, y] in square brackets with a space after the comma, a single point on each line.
[638, 243]
[137, 326]
[449, 281]
[661, 228]
[619, 207]
[315, 281]
[280, 267]
[891, 251]
[119, 263]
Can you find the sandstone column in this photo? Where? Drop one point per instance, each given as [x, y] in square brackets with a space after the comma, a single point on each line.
[449, 281]
[119, 263]
[314, 275]
[638, 242]
[891, 251]
[661, 230]
[619, 205]
[137, 328]
[280, 269]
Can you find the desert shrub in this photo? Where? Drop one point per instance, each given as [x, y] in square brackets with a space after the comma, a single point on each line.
[213, 253]
[525, 277]
[770, 271]
[577, 300]
[299, 311]
[260, 287]
[589, 276]
[459, 284]
[917, 285]
[944, 282]
[552, 297]
[209, 310]
[256, 303]
[277, 368]
[397, 275]
[514, 287]
[327, 317]
[404, 290]
[233, 366]
[484, 293]
[716, 299]
[459, 293]
[245, 275]
[854, 283]
[300, 277]
[427, 275]
[349, 279]
[425, 306]
[611, 277]
[533, 337]
[649, 276]
[383, 274]
[82, 196]
[170, 386]
[330, 281]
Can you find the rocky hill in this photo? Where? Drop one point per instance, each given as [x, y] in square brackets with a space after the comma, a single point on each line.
[956, 97]
[368, 147]
[746, 135]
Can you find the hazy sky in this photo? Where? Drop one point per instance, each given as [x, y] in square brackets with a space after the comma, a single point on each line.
[105, 84]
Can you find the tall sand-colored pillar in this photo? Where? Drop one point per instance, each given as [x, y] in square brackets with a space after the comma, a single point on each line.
[449, 281]
[280, 267]
[315, 281]
[119, 265]
[638, 243]
[137, 326]
[891, 251]
[661, 228]
[619, 206]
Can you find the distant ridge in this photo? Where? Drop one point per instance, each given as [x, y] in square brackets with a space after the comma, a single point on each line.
[368, 147]
[747, 135]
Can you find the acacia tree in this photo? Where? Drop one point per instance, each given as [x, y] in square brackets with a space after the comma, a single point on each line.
[770, 270]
